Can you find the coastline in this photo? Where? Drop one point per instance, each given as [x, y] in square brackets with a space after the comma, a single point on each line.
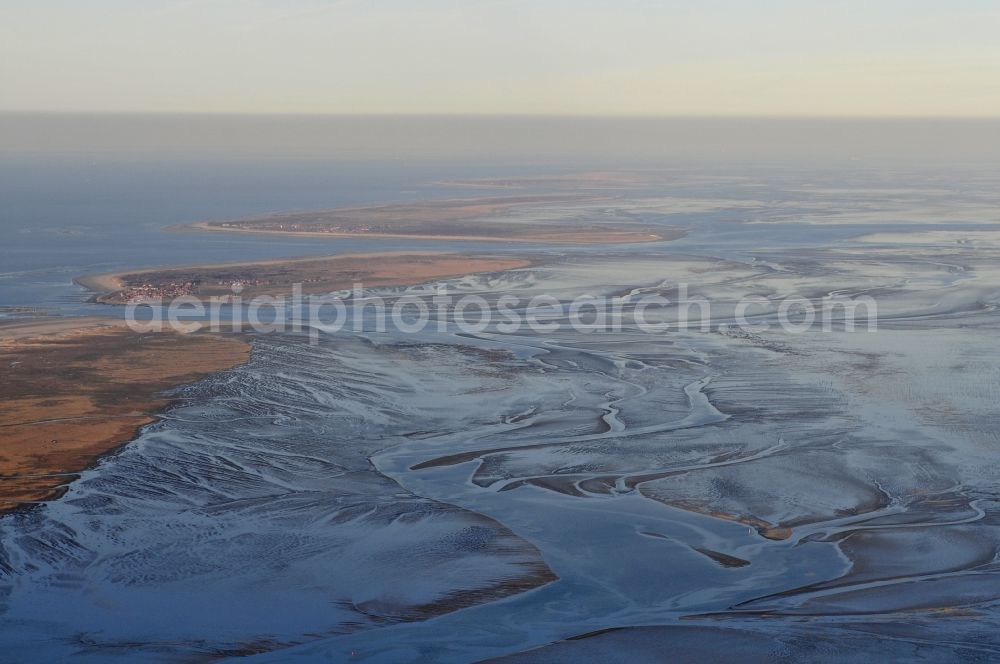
[315, 274]
[21, 328]
[100, 283]
[610, 237]
[76, 389]
[568, 217]
[79, 388]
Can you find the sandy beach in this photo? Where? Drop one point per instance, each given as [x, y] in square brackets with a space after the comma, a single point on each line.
[607, 237]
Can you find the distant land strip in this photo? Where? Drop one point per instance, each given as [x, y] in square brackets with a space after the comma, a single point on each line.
[550, 218]
[277, 277]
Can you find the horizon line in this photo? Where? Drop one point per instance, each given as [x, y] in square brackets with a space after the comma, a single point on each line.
[482, 115]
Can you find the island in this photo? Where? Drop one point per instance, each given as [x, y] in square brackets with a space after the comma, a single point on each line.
[277, 277]
[552, 218]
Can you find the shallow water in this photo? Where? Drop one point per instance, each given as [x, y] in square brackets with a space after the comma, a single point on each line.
[454, 497]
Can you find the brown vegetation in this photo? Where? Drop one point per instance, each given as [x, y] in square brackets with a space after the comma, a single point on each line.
[276, 277]
[71, 394]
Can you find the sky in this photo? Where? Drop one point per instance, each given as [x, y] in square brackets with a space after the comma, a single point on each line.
[913, 58]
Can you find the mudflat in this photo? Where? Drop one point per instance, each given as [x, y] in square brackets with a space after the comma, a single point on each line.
[75, 390]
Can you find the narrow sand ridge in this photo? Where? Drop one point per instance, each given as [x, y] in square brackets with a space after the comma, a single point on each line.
[524, 218]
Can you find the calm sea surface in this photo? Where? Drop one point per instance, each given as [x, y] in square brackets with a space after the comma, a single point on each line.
[92, 193]
[64, 216]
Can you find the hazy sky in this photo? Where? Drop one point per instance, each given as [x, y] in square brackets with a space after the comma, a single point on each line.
[786, 57]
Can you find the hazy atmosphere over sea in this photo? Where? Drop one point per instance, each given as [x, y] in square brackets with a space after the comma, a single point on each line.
[499, 331]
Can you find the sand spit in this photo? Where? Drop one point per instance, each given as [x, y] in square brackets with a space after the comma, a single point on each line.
[552, 218]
